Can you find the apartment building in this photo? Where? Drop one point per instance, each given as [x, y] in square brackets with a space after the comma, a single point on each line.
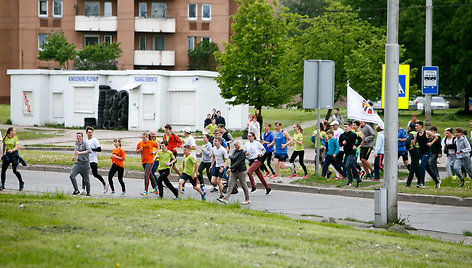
[154, 34]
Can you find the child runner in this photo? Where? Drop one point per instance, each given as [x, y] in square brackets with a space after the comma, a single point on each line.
[331, 152]
[189, 167]
[145, 148]
[267, 138]
[378, 153]
[189, 140]
[449, 148]
[219, 162]
[206, 160]
[299, 151]
[253, 149]
[166, 160]
[281, 140]
[211, 127]
[153, 137]
[117, 158]
[95, 146]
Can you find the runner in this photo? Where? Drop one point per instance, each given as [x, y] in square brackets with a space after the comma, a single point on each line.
[323, 139]
[258, 115]
[238, 168]
[10, 155]
[173, 142]
[189, 167]
[220, 119]
[117, 159]
[207, 121]
[425, 139]
[211, 127]
[145, 148]
[330, 158]
[219, 163]
[267, 138]
[350, 140]
[82, 165]
[356, 129]
[413, 148]
[298, 151]
[435, 152]
[166, 160]
[378, 153]
[402, 151]
[225, 135]
[366, 148]
[189, 140]
[95, 146]
[281, 140]
[254, 127]
[462, 156]
[339, 157]
[205, 164]
[449, 149]
[155, 162]
[253, 149]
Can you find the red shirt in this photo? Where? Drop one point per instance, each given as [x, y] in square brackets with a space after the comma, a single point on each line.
[173, 141]
[120, 153]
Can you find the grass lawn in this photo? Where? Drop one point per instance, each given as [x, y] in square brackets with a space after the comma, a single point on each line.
[54, 230]
[4, 113]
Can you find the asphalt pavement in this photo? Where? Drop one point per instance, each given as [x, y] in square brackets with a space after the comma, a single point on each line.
[437, 218]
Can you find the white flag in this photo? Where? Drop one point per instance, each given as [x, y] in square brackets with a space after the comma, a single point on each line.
[359, 109]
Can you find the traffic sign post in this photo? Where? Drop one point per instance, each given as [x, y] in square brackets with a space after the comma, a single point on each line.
[430, 80]
[403, 86]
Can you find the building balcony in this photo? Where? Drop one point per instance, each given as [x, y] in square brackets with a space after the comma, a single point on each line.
[154, 57]
[96, 23]
[154, 25]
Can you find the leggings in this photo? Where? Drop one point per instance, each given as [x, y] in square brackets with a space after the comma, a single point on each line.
[148, 176]
[94, 168]
[255, 168]
[378, 165]
[5, 166]
[300, 155]
[163, 176]
[114, 168]
[268, 157]
[201, 167]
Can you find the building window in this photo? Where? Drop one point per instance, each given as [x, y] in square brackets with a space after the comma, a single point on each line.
[158, 10]
[192, 11]
[159, 43]
[191, 42]
[142, 10]
[42, 40]
[142, 42]
[107, 10]
[43, 8]
[108, 38]
[92, 8]
[57, 8]
[91, 40]
[206, 12]
[207, 39]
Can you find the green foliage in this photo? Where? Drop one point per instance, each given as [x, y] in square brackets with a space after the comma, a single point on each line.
[58, 49]
[311, 8]
[202, 57]
[249, 66]
[98, 57]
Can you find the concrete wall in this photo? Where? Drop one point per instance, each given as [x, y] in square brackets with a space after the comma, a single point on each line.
[156, 98]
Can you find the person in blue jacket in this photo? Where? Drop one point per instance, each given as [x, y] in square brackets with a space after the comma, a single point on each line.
[332, 151]
[267, 138]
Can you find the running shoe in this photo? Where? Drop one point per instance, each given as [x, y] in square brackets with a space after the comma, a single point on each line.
[83, 192]
[155, 191]
[202, 186]
[279, 180]
[349, 185]
[75, 193]
[222, 196]
[144, 193]
[2, 187]
[177, 198]
[460, 185]
[253, 189]
[293, 175]
[306, 176]
[361, 174]
[420, 186]
[214, 189]
[268, 190]
[123, 193]
[338, 177]
[204, 196]
[438, 185]
[246, 202]
[273, 177]
[105, 188]
[222, 200]
[112, 192]
[358, 183]
[267, 174]
[369, 176]
[22, 185]
[183, 190]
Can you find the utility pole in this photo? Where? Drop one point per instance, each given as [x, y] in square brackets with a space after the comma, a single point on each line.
[427, 58]
[391, 110]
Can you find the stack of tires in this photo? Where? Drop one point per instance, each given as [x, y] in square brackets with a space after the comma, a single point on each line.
[112, 108]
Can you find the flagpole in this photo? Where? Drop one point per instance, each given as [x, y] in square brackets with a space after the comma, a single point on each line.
[391, 111]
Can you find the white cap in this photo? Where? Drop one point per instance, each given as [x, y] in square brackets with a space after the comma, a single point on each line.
[188, 130]
[335, 122]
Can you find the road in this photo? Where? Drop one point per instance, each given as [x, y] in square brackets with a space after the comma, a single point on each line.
[438, 218]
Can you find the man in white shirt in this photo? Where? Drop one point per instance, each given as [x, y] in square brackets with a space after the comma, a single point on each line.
[95, 146]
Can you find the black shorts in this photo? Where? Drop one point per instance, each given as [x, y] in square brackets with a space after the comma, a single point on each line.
[187, 177]
[365, 152]
[281, 156]
[215, 172]
[403, 154]
[175, 155]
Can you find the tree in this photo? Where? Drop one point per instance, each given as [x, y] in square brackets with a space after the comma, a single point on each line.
[101, 56]
[356, 47]
[57, 48]
[202, 57]
[311, 8]
[248, 67]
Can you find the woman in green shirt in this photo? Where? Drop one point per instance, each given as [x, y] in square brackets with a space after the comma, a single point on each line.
[10, 155]
[298, 151]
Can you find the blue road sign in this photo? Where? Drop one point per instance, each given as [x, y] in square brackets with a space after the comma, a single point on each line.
[429, 81]
[402, 89]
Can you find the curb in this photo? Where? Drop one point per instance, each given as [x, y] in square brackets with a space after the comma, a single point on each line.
[417, 198]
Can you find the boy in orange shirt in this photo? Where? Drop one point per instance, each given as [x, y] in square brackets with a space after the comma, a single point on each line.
[145, 147]
[117, 158]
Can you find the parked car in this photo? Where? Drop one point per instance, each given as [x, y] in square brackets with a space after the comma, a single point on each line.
[412, 105]
[437, 103]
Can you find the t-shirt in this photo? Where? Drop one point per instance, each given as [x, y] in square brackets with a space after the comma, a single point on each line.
[211, 128]
[190, 140]
[10, 143]
[189, 161]
[120, 153]
[253, 148]
[220, 155]
[164, 158]
[146, 156]
[94, 144]
[298, 137]
[401, 144]
[323, 136]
